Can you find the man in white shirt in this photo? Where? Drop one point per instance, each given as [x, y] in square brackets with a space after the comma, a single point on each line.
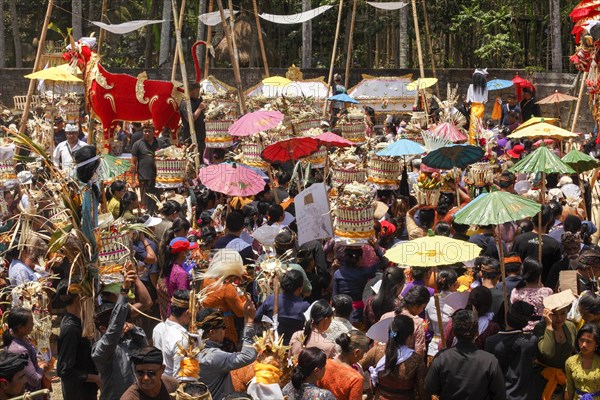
[167, 334]
[63, 153]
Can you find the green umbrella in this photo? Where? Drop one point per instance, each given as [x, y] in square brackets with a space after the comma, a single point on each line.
[544, 161]
[496, 208]
[112, 167]
[580, 161]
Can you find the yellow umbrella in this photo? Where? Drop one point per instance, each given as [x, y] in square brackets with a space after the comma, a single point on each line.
[543, 130]
[56, 74]
[276, 81]
[421, 84]
[535, 120]
[432, 251]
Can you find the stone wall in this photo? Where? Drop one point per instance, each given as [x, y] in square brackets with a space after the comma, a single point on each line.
[13, 83]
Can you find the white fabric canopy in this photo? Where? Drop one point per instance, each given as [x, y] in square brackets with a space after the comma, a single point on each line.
[295, 18]
[396, 5]
[214, 18]
[126, 27]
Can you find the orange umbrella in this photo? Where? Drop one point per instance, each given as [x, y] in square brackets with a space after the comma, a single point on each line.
[557, 98]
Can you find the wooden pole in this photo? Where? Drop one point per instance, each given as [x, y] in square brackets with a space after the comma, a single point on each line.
[350, 39]
[430, 43]
[186, 88]
[418, 38]
[335, 41]
[102, 34]
[438, 311]
[178, 43]
[36, 66]
[503, 272]
[233, 58]
[208, 43]
[578, 106]
[260, 40]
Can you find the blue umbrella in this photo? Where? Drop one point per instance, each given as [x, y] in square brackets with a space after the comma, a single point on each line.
[402, 147]
[344, 98]
[453, 156]
[499, 84]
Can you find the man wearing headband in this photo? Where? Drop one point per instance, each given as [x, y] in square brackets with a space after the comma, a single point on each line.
[74, 366]
[143, 163]
[167, 335]
[12, 374]
[151, 382]
[63, 153]
[111, 353]
[215, 364]
[480, 375]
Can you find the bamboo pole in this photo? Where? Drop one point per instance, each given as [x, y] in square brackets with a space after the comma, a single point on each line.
[438, 311]
[430, 43]
[350, 39]
[232, 57]
[102, 34]
[418, 38]
[208, 42]
[178, 43]
[186, 88]
[31, 394]
[578, 106]
[335, 42]
[260, 40]
[36, 66]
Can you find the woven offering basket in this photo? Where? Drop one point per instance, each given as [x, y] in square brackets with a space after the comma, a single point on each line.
[343, 175]
[354, 222]
[217, 134]
[354, 131]
[170, 170]
[481, 174]
[427, 197]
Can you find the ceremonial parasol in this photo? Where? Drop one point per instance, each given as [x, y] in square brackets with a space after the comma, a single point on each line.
[56, 74]
[584, 9]
[331, 139]
[581, 163]
[544, 161]
[534, 121]
[290, 149]
[112, 167]
[276, 81]
[254, 122]
[521, 83]
[344, 98]
[542, 130]
[557, 98]
[497, 208]
[449, 131]
[421, 84]
[402, 148]
[231, 180]
[432, 251]
[499, 84]
[453, 156]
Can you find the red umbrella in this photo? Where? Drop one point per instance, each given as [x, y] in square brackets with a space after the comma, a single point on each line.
[450, 132]
[331, 139]
[546, 142]
[290, 149]
[521, 83]
[254, 122]
[231, 179]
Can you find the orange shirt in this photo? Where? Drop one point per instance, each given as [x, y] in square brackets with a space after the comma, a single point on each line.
[342, 380]
[226, 299]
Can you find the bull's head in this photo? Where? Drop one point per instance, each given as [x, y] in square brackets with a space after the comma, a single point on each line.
[80, 51]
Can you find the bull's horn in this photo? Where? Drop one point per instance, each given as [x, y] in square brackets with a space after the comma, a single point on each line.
[72, 42]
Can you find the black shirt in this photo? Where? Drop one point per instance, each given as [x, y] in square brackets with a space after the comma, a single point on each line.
[465, 372]
[529, 109]
[75, 361]
[135, 136]
[146, 165]
[199, 125]
[526, 245]
[59, 136]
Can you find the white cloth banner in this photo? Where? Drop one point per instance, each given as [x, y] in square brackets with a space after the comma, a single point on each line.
[295, 18]
[312, 214]
[126, 27]
[396, 5]
[214, 18]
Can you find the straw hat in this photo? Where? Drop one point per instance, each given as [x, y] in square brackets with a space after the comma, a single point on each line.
[559, 300]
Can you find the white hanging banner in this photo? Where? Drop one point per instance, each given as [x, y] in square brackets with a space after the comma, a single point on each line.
[214, 18]
[295, 18]
[396, 5]
[126, 27]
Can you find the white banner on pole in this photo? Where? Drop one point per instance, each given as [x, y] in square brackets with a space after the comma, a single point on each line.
[214, 18]
[312, 214]
[126, 27]
[396, 5]
[295, 18]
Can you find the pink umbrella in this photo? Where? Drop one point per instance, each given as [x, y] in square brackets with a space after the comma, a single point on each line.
[231, 179]
[331, 139]
[449, 131]
[290, 149]
[546, 142]
[254, 122]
